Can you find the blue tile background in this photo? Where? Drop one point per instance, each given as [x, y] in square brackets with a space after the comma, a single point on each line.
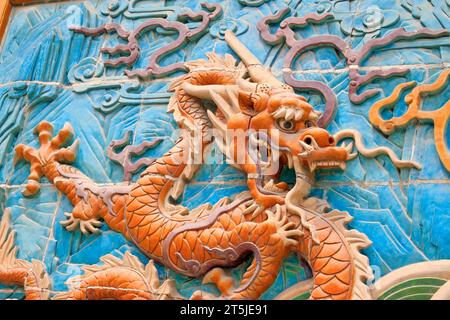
[406, 214]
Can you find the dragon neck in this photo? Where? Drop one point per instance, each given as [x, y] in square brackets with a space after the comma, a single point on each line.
[163, 182]
[304, 180]
[178, 166]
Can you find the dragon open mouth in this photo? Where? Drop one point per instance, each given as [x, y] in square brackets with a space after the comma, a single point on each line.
[275, 187]
[308, 161]
[331, 157]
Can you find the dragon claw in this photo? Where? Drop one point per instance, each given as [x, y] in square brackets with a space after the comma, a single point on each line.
[50, 150]
[31, 188]
[71, 223]
[285, 228]
[177, 209]
[255, 209]
[90, 226]
[86, 226]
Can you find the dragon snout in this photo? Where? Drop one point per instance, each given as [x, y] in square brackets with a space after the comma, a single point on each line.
[320, 150]
[316, 138]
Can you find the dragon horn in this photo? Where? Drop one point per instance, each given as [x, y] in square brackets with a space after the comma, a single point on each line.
[257, 72]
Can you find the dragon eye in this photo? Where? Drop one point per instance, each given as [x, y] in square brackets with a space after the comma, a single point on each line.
[309, 124]
[286, 125]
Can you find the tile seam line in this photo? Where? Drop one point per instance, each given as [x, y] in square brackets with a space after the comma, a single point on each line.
[238, 183]
[113, 81]
[52, 227]
[371, 68]
[110, 81]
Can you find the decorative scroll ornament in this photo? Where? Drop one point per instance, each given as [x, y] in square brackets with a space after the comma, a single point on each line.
[125, 156]
[253, 3]
[323, 6]
[18, 89]
[111, 93]
[370, 21]
[268, 222]
[108, 102]
[354, 58]
[236, 26]
[114, 8]
[130, 52]
[87, 69]
[439, 117]
[136, 10]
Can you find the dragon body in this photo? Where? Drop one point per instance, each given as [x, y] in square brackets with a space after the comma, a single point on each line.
[267, 222]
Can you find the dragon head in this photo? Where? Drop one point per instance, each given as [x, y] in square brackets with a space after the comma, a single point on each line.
[279, 129]
[291, 124]
[262, 125]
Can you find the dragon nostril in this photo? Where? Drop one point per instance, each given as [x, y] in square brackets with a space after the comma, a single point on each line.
[331, 140]
[308, 140]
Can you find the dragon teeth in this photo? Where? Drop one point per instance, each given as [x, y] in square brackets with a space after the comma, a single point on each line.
[327, 164]
[290, 162]
[272, 187]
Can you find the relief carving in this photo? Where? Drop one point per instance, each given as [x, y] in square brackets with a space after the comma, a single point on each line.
[260, 125]
[438, 117]
[269, 221]
[130, 52]
[354, 58]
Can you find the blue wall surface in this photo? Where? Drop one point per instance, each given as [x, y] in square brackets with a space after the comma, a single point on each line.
[48, 72]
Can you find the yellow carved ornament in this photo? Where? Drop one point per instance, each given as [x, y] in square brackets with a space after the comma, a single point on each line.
[414, 100]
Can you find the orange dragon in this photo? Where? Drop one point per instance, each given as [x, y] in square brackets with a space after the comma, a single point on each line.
[267, 222]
